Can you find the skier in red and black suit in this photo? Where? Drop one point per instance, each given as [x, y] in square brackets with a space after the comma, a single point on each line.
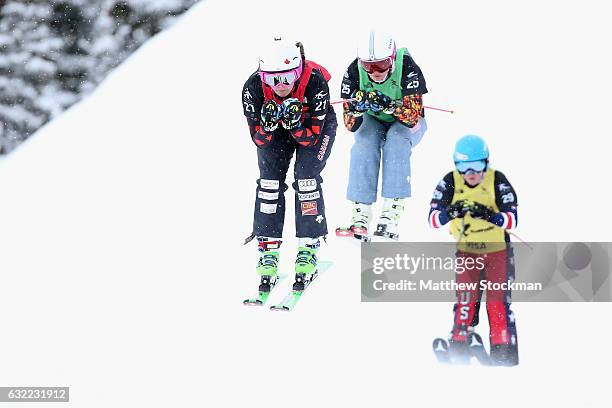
[287, 105]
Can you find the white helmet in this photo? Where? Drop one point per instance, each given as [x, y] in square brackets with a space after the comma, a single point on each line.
[377, 46]
[280, 55]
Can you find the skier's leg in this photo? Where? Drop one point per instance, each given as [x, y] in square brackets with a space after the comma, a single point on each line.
[396, 184]
[467, 272]
[310, 221]
[503, 336]
[365, 161]
[397, 150]
[476, 317]
[269, 212]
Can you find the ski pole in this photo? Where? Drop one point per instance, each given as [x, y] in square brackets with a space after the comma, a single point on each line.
[520, 239]
[439, 109]
[425, 106]
[343, 100]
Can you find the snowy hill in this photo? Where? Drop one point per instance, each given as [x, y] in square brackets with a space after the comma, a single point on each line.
[122, 265]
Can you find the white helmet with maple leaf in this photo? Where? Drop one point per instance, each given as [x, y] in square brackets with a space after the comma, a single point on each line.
[280, 55]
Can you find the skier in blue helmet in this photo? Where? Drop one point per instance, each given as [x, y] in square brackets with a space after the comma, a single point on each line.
[471, 151]
[480, 205]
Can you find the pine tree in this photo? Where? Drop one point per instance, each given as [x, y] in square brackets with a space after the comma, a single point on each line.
[52, 53]
[27, 47]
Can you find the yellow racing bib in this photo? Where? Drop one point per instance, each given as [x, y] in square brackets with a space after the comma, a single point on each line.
[472, 234]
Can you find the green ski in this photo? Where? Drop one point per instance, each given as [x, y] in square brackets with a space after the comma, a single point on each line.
[262, 296]
[292, 298]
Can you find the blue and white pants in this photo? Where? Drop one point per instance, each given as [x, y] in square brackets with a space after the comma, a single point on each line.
[393, 142]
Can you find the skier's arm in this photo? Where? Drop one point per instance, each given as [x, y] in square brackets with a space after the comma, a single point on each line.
[413, 88]
[317, 106]
[440, 202]
[350, 86]
[252, 101]
[506, 201]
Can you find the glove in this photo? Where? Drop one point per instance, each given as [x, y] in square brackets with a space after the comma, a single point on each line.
[360, 105]
[457, 210]
[379, 102]
[478, 210]
[270, 115]
[409, 112]
[291, 116]
[352, 119]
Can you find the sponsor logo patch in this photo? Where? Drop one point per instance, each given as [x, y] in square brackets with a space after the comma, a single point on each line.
[307, 185]
[268, 196]
[309, 196]
[269, 184]
[504, 187]
[309, 208]
[267, 208]
[319, 219]
[323, 148]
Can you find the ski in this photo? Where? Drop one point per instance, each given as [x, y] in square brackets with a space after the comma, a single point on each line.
[475, 349]
[292, 298]
[353, 232]
[289, 301]
[381, 231]
[440, 349]
[262, 296]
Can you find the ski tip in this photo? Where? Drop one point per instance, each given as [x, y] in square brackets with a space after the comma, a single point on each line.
[280, 308]
[440, 344]
[343, 232]
[252, 302]
[440, 349]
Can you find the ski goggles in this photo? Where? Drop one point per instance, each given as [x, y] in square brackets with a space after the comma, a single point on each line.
[471, 167]
[377, 66]
[274, 79]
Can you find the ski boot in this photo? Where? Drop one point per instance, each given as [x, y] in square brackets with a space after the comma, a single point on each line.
[267, 267]
[360, 220]
[306, 263]
[388, 223]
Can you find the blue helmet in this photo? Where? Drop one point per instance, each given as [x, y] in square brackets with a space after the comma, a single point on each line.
[471, 151]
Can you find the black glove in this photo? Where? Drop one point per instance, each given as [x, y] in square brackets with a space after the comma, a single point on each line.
[457, 210]
[270, 115]
[380, 102]
[478, 210]
[291, 115]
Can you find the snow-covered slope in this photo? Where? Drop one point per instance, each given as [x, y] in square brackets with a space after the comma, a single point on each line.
[122, 221]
